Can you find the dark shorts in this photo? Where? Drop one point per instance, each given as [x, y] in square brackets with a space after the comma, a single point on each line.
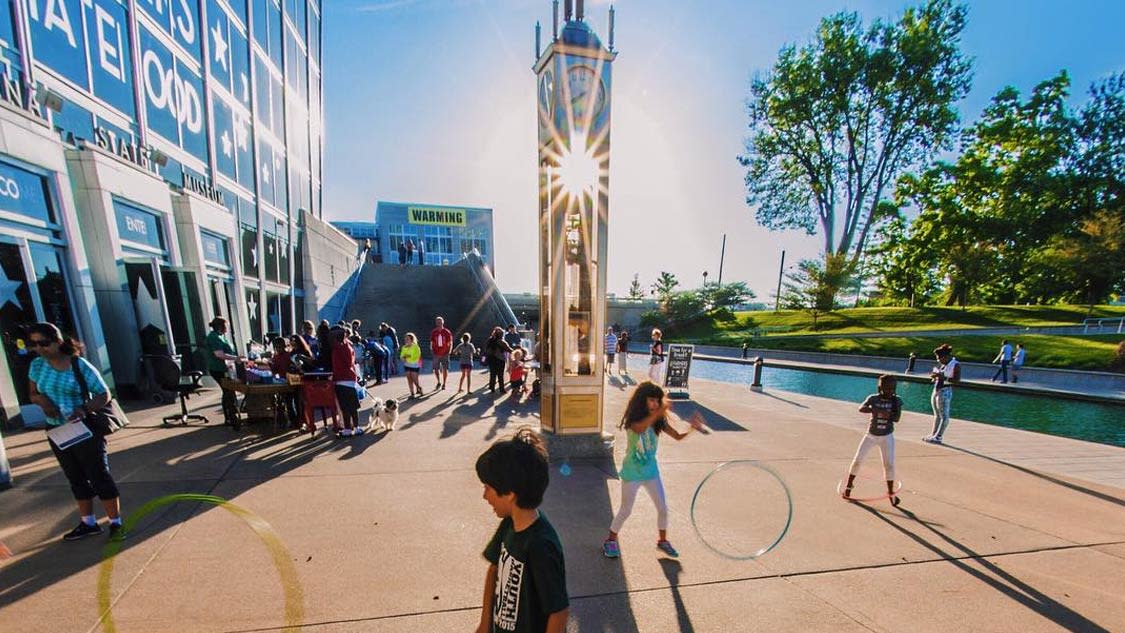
[611, 356]
[465, 366]
[412, 370]
[441, 362]
[86, 466]
[348, 398]
[515, 384]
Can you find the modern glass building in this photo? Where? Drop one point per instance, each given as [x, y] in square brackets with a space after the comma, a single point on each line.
[447, 232]
[159, 163]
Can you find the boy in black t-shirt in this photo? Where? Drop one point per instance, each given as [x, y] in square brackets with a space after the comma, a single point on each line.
[885, 409]
[525, 587]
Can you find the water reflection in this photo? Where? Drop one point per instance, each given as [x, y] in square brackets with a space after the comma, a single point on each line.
[1090, 421]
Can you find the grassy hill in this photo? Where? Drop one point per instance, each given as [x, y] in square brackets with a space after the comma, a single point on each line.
[795, 330]
[858, 320]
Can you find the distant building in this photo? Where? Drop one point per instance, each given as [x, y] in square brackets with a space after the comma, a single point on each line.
[449, 232]
[359, 231]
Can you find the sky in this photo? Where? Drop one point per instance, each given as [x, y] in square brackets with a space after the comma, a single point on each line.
[433, 101]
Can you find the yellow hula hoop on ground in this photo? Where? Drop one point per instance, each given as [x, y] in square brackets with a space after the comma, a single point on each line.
[294, 596]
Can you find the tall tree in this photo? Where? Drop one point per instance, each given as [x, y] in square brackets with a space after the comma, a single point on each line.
[836, 121]
[635, 289]
[903, 269]
[664, 287]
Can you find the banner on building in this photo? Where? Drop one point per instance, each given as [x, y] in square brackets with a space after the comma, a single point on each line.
[437, 216]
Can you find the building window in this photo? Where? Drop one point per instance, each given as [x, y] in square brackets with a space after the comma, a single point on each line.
[141, 232]
[216, 253]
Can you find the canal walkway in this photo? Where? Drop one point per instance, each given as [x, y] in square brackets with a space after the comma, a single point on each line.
[999, 530]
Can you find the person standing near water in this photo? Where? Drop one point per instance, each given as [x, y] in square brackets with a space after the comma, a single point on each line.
[1017, 362]
[946, 374]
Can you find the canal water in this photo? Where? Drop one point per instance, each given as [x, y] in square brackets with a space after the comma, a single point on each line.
[1091, 421]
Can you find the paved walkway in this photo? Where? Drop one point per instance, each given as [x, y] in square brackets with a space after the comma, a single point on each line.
[1001, 530]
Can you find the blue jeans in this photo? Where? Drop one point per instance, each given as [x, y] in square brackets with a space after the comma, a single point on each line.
[942, 401]
[1003, 371]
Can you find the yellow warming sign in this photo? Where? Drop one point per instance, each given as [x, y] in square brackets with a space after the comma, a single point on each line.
[578, 411]
[438, 216]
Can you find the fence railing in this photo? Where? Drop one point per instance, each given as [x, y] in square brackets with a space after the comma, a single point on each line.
[1106, 323]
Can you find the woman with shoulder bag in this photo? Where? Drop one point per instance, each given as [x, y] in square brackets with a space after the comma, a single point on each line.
[69, 389]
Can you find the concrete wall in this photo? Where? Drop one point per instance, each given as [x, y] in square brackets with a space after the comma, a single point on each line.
[624, 312]
[329, 260]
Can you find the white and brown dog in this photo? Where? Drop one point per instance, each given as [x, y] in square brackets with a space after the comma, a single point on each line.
[384, 414]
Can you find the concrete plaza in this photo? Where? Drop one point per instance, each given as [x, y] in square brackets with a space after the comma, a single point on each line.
[1000, 530]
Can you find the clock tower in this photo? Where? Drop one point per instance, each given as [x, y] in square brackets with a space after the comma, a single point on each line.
[573, 101]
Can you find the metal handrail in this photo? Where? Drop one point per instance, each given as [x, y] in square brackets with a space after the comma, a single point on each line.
[353, 284]
[1098, 323]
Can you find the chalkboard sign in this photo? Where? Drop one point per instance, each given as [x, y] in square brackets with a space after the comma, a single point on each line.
[679, 366]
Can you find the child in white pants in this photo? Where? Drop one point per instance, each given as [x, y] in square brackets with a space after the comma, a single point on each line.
[645, 419]
[885, 408]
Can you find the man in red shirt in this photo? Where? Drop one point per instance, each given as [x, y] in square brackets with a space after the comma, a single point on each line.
[441, 341]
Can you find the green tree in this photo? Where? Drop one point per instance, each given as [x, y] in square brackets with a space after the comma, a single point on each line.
[635, 289]
[665, 285]
[725, 296]
[813, 286]
[904, 271]
[1002, 221]
[835, 122]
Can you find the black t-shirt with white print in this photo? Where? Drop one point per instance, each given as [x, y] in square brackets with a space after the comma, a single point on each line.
[531, 576]
[884, 413]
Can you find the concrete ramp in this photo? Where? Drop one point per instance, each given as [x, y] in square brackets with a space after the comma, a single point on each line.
[409, 297]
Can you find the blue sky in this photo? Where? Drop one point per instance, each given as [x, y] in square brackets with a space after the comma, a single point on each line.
[434, 101]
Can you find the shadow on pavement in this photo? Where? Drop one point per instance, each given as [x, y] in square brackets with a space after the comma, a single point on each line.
[672, 570]
[1045, 477]
[184, 462]
[580, 507]
[715, 421]
[993, 576]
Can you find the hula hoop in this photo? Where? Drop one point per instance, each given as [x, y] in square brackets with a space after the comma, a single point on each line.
[840, 485]
[294, 596]
[761, 551]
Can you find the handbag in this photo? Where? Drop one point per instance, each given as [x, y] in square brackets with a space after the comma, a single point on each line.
[102, 422]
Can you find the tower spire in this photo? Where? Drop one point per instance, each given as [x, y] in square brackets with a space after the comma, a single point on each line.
[568, 10]
[580, 10]
[554, 20]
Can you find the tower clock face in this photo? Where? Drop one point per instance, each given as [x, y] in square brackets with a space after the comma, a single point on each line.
[580, 81]
[547, 92]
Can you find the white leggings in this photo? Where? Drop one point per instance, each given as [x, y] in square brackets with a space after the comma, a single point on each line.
[886, 444]
[655, 489]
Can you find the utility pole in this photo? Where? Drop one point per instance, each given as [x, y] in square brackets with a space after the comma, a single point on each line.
[780, 272]
[722, 255]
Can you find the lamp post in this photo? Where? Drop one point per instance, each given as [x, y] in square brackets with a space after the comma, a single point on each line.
[705, 279]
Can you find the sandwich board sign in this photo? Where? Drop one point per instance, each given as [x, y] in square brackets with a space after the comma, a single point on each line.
[678, 368]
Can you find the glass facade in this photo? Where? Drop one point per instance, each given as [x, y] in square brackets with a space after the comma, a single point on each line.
[229, 90]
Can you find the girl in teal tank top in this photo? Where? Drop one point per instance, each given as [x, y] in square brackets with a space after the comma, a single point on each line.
[645, 419]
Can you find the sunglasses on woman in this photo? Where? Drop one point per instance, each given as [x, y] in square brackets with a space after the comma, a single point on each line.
[39, 343]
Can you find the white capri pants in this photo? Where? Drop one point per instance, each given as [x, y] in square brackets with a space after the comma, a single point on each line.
[886, 444]
[629, 489]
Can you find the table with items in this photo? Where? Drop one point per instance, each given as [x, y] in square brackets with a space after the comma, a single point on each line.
[260, 402]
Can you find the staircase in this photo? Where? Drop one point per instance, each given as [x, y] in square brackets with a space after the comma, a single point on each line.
[410, 297]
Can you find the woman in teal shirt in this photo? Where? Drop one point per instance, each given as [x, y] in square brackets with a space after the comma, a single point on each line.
[646, 417]
[54, 386]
